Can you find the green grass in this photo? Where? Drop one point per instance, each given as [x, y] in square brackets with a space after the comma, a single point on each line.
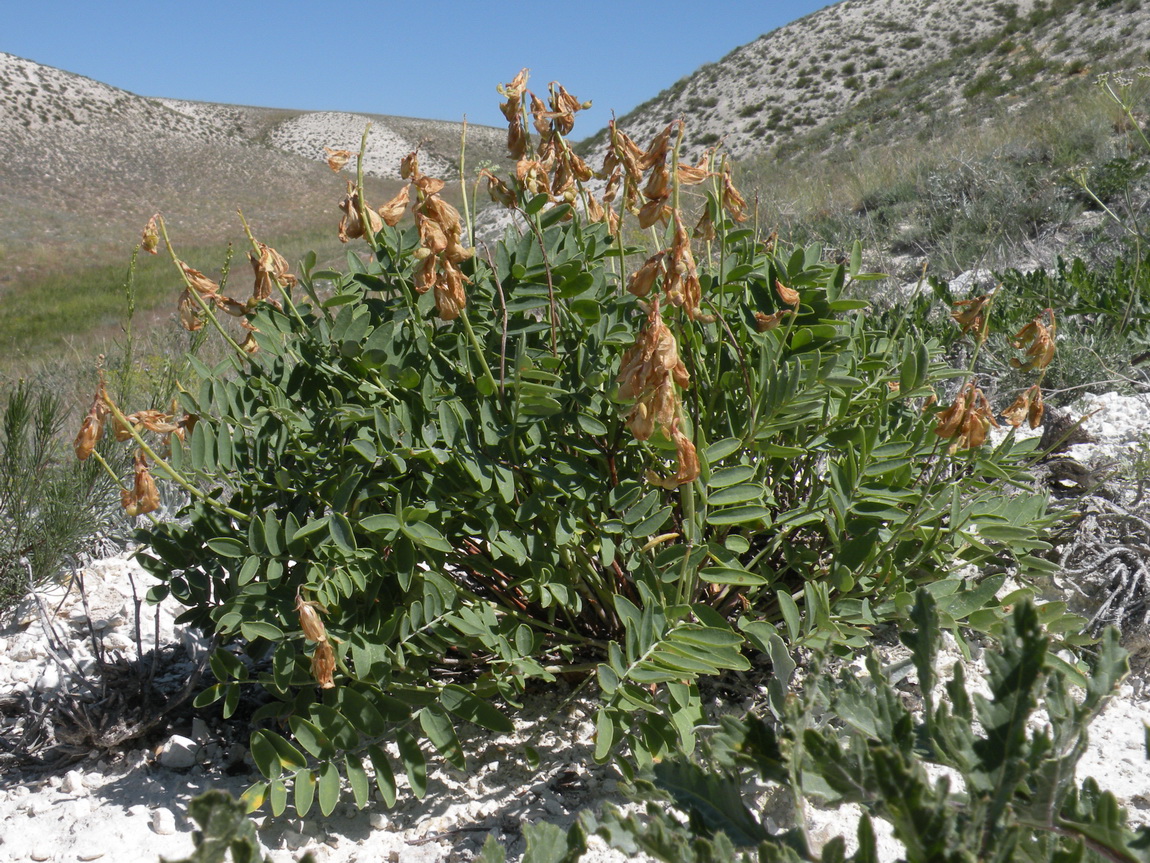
[75, 315]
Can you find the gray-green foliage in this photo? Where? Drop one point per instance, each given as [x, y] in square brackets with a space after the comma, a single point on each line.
[51, 506]
[1015, 795]
[224, 829]
[469, 506]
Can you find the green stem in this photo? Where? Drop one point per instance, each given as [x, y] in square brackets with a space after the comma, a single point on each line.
[463, 183]
[171, 472]
[477, 347]
[208, 310]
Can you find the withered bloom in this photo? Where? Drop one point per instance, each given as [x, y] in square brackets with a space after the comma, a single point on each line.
[970, 315]
[92, 428]
[309, 619]
[765, 323]
[323, 665]
[643, 279]
[270, 269]
[733, 202]
[142, 497]
[201, 283]
[967, 421]
[450, 298]
[788, 295]
[351, 226]
[151, 238]
[497, 189]
[1040, 339]
[409, 165]
[393, 210]
[336, 159]
[189, 312]
[1028, 406]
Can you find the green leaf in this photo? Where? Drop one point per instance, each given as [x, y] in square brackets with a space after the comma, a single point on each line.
[422, 533]
[341, 532]
[259, 629]
[549, 843]
[311, 738]
[226, 546]
[735, 494]
[253, 797]
[265, 756]
[729, 575]
[790, 612]
[738, 515]
[413, 762]
[277, 797]
[472, 708]
[384, 777]
[357, 778]
[304, 792]
[437, 726]
[720, 449]
[733, 475]
[328, 788]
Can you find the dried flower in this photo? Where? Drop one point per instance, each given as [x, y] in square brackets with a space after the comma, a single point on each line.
[967, 421]
[142, 497]
[450, 298]
[497, 189]
[323, 665]
[1028, 406]
[336, 159]
[1039, 336]
[309, 619]
[643, 279]
[393, 210]
[765, 323]
[151, 238]
[92, 428]
[270, 269]
[788, 295]
[970, 315]
[733, 202]
[351, 226]
[201, 283]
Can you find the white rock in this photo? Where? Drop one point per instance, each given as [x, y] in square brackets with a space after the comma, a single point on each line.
[200, 730]
[178, 752]
[163, 821]
[49, 679]
[293, 839]
[41, 852]
[378, 821]
[138, 809]
[73, 783]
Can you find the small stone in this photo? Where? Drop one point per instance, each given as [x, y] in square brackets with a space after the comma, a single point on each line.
[164, 822]
[200, 731]
[40, 853]
[178, 752]
[89, 855]
[293, 839]
[378, 821]
[73, 783]
[138, 810]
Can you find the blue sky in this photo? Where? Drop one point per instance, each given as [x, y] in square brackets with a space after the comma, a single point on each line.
[434, 58]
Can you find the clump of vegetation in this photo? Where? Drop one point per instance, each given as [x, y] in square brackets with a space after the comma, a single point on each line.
[451, 475]
[1009, 791]
[52, 509]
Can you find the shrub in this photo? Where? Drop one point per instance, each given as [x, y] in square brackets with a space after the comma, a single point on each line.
[1009, 792]
[455, 474]
[51, 507]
